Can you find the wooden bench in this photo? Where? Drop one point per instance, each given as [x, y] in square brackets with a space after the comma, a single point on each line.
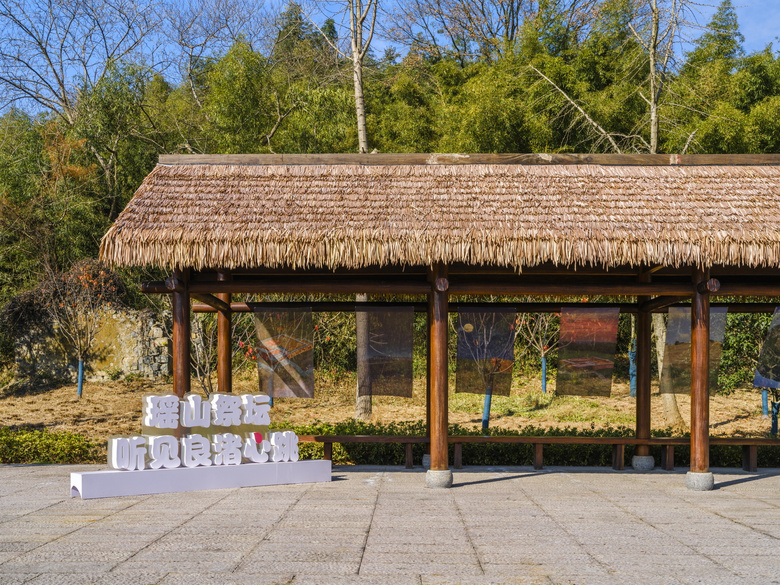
[328, 440]
[618, 446]
[749, 449]
[749, 446]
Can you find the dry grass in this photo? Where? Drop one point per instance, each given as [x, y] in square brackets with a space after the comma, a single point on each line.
[115, 408]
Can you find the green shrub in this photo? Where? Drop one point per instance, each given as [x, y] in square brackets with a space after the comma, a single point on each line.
[41, 446]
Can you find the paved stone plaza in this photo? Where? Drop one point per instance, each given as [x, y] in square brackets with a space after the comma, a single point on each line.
[380, 525]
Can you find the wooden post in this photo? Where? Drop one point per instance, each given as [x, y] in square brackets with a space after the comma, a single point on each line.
[224, 342]
[439, 475]
[700, 397]
[429, 376]
[643, 357]
[181, 335]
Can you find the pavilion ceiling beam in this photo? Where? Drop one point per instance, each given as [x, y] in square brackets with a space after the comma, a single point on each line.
[517, 286]
[570, 288]
[336, 307]
[749, 290]
[348, 306]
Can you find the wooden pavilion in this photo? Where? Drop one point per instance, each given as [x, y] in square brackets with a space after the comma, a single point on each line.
[653, 229]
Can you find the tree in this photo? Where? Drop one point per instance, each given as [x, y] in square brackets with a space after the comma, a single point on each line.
[362, 24]
[721, 40]
[49, 209]
[54, 50]
[488, 114]
[203, 29]
[245, 106]
[484, 31]
[75, 301]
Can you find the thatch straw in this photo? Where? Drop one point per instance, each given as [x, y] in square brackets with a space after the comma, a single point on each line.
[349, 216]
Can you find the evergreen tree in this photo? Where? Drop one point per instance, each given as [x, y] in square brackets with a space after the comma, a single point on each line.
[721, 41]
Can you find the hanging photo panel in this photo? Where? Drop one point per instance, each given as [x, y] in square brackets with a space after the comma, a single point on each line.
[768, 367]
[486, 352]
[385, 362]
[285, 352]
[676, 374]
[586, 351]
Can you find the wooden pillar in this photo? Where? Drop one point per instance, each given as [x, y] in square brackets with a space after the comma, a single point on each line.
[643, 359]
[438, 373]
[428, 378]
[224, 341]
[700, 373]
[181, 333]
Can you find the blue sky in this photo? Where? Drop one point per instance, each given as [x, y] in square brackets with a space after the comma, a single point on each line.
[759, 21]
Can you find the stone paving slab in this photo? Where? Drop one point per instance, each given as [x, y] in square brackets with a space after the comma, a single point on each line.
[379, 525]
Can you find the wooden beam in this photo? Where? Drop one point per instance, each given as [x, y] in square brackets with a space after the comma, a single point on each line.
[749, 290]
[439, 413]
[224, 340]
[215, 303]
[350, 306]
[468, 159]
[154, 287]
[658, 303]
[700, 373]
[175, 283]
[398, 286]
[709, 286]
[569, 289]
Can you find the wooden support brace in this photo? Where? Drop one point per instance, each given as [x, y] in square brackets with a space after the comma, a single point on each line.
[618, 457]
[538, 456]
[667, 457]
[750, 458]
[659, 303]
[327, 451]
[409, 458]
[212, 301]
[457, 457]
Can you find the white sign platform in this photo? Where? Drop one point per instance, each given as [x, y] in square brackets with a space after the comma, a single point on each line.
[111, 483]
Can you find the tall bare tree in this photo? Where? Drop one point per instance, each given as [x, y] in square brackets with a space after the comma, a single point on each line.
[362, 16]
[53, 50]
[485, 29]
[201, 29]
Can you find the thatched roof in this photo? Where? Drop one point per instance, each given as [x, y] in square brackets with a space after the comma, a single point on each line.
[350, 216]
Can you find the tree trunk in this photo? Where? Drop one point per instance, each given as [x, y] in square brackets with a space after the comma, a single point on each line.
[654, 93]
[360, 107]
[363, 397]
[672, 414]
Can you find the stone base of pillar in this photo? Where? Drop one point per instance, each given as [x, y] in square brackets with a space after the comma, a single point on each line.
[426, 462]
[700, 482]
[642, 463]
[438, 479]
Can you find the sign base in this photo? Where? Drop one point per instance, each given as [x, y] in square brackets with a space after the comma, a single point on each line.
[111, 483]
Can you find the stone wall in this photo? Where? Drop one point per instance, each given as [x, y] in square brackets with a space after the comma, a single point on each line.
[129, 343]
